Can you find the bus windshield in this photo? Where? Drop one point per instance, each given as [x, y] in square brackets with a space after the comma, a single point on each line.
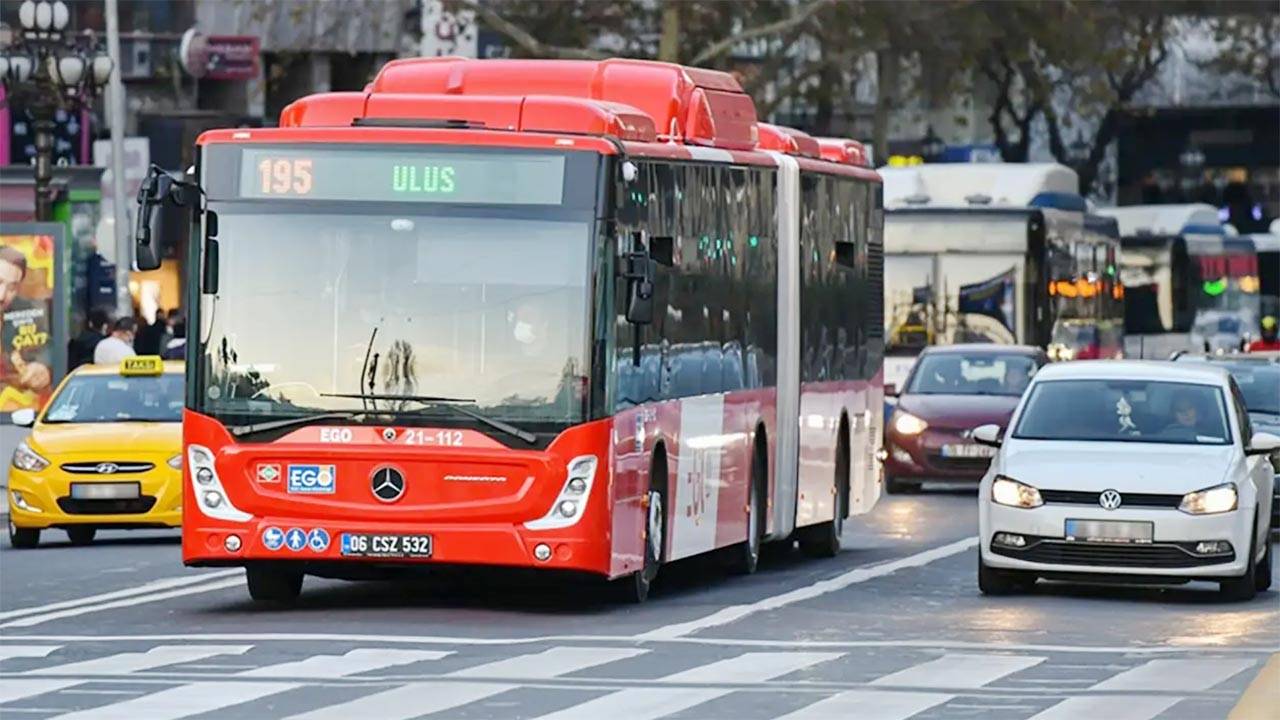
[394, 300]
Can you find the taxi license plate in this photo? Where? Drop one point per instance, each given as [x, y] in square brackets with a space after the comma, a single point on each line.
[106, 491]
[1109, 531]
[968, 451]
[386, 546]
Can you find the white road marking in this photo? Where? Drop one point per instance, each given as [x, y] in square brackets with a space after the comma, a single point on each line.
[1176, 675]
[150, 587]
[1129, 707]
[17, 688]
[124, 602]
[649, 703]
[734, 613]
[181, 702]
[869, 705]
[125, 663]
[26, 651]
[422, 698]
[833, 645]
[959, 671]
[357, 661]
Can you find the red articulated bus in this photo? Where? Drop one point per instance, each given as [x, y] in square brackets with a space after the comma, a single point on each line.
[572, 315]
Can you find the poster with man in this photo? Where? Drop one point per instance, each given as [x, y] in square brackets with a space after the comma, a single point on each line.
[32, 352]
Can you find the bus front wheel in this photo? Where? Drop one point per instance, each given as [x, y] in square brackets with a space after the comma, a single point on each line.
[273, 586]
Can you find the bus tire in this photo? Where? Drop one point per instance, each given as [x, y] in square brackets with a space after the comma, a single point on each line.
[81, 535]
[745, 556]
[272, 585]
[635, 587]
[23, 538]
[823, 540]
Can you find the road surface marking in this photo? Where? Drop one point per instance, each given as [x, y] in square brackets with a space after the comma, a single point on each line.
[422, 698]
[16, 689]
[869, 705]
[150, 587]
[130, 601]
[1176, 675]
[357, 661]
[649, 703]
[734, 613]
[1262, 697]
[180, 702]
[26, 651]
[959, 671]
[1129, 707]
[125, 663]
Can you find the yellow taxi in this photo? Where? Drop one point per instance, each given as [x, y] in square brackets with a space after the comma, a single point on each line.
[106, 452]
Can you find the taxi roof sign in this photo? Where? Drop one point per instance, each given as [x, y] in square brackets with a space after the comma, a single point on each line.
[142, 365]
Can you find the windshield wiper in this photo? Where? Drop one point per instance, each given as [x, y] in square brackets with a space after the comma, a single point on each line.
[252, 428]
[449, 402]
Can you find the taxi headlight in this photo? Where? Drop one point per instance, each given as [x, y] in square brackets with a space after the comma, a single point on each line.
[24, 458]
[1217, 499]
[907, 424]
[1010, 492]
[175, 462]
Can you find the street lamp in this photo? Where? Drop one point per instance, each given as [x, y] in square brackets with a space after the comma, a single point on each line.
[932, 146]
[46, 71]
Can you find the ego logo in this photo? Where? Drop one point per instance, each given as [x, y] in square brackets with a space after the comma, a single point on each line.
[313, 479]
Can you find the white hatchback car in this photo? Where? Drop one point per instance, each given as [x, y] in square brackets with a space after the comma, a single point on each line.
[1125, 470]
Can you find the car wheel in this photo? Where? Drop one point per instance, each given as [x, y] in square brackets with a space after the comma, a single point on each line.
[81, 535]
[823, 540]
[1244, 587]
[1262, 578]
[23, 538]
[272, 586]
[897, 486]
[1002, 582]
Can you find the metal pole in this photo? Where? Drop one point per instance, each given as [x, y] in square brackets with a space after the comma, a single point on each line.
[115, 104]
[44, 166]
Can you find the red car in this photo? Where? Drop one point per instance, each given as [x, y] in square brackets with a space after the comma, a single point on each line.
[951, 390]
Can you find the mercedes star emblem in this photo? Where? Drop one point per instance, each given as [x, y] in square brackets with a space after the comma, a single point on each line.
[1109, 499]
[387, 484]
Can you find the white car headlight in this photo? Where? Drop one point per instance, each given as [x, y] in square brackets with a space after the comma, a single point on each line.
[1217, 499]
[175, 462]
[907, 424]
[24, 458]
[1010, 492]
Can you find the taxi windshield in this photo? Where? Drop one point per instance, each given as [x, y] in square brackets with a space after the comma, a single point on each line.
[1125, 411]
[116, 398]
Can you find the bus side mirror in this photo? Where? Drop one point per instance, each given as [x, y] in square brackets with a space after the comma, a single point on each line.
[641, 270]
[150, 230]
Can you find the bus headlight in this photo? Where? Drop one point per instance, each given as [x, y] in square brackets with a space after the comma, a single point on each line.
[211, 497]
[907, 424]
[1217, 499]
[1010, 492]
[571, 504]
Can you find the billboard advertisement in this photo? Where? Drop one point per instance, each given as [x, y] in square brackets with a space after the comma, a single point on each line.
[32, 324]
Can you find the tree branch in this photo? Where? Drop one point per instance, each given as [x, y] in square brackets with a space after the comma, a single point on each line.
[521, 37]
[797, 18]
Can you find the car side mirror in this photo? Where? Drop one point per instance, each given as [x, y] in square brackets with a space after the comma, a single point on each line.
[1260, 444]
[25, 417]
[890, 390]
[989, 435]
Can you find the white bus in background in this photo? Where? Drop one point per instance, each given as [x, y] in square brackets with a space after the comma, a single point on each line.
[999, 253]
[1189, 282]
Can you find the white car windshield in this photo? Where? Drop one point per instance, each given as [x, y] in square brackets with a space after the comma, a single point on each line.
[1125, 411]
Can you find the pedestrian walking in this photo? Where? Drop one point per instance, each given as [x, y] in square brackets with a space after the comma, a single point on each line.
[119, 345]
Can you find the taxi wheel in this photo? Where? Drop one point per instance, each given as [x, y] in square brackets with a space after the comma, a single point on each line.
[23, 538]
[273, 586]
[81, 535]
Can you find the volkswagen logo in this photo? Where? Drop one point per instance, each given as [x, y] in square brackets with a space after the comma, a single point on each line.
[1110, 500]
[107, 468]
[387, 484]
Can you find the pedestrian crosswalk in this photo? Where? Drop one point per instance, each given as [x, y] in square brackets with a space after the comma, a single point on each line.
[106, 680]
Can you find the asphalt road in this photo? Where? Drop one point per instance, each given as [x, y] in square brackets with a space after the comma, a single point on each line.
[892, 628]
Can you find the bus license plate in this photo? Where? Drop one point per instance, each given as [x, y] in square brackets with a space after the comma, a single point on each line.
[386, 546]
[1109, 531]
[106, 491]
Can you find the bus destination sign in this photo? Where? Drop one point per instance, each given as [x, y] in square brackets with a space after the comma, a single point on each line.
[402, 176]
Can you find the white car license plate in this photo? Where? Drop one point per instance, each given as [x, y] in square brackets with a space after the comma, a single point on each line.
[1109, 531]
[386, 545]
[967, 451]
[106, 491]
